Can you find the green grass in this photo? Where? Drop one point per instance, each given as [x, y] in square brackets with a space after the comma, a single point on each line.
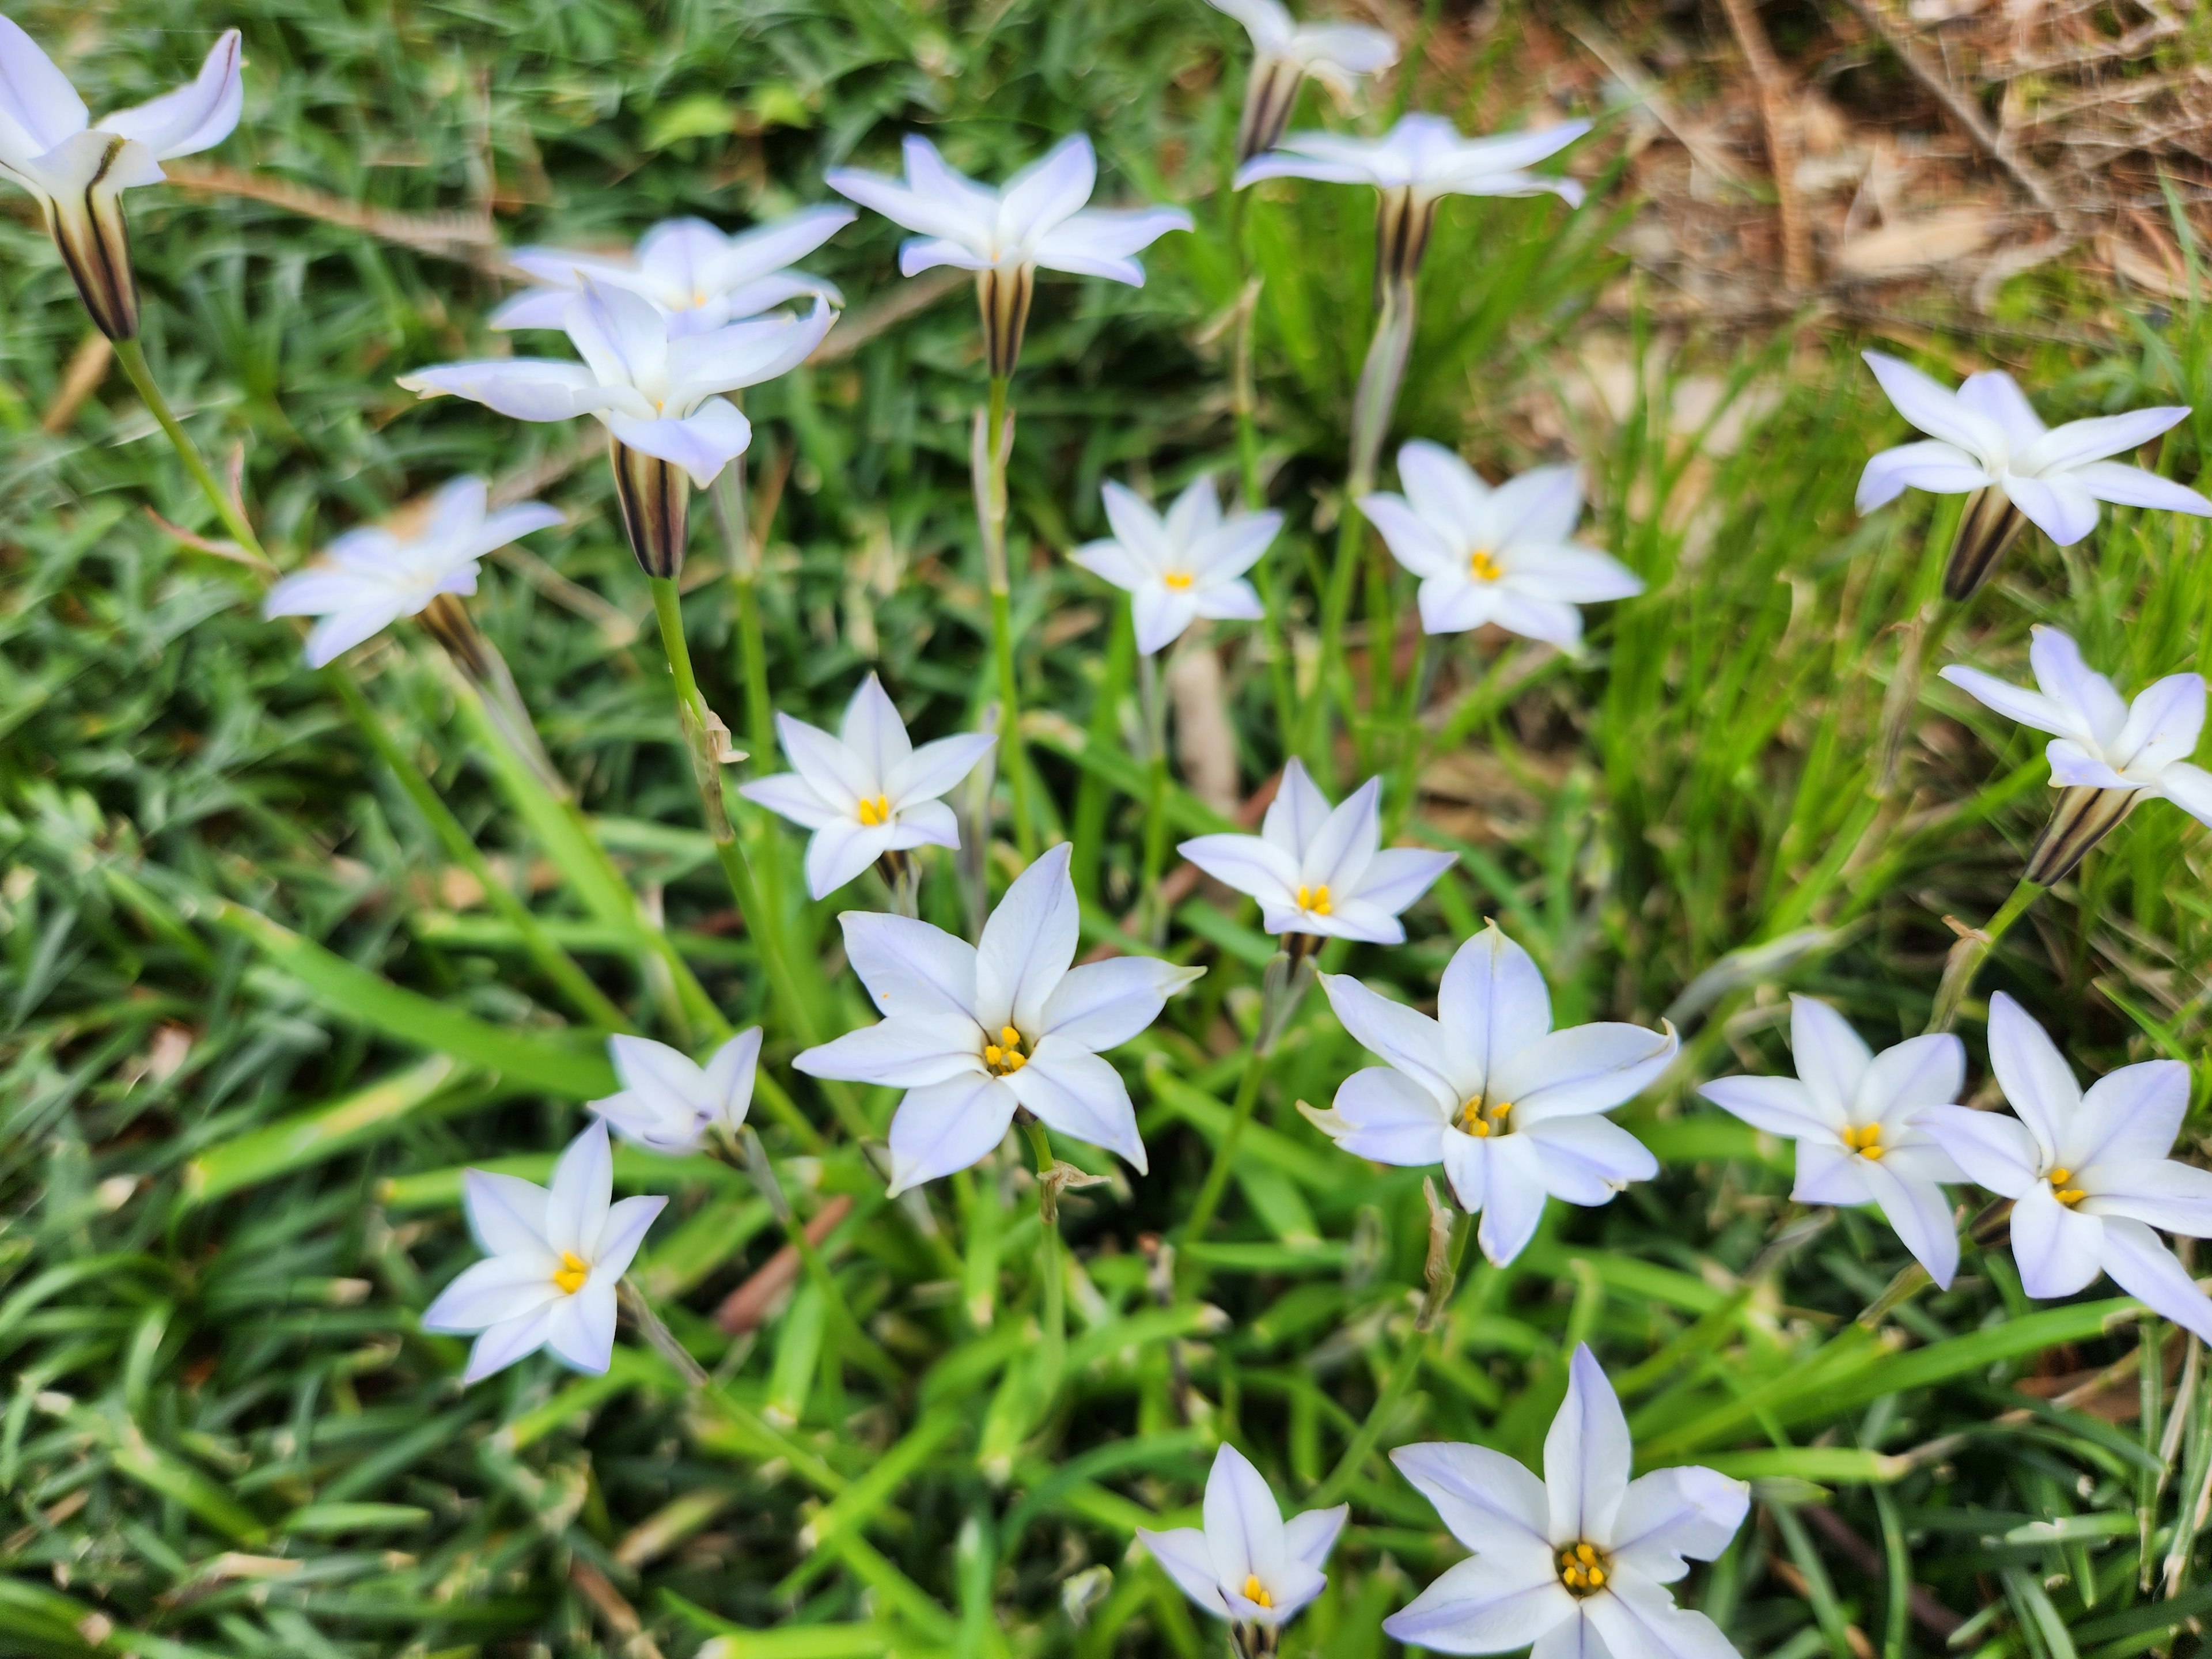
[229, 1148]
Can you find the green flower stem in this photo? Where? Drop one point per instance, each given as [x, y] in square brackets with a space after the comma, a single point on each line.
[1094, 796]
[657, 1335]
[990, 464]
[132, 355]
[1225, 1152]
[1054, 1315]
[1967, 956]
[1335, 609]
[1156, 790]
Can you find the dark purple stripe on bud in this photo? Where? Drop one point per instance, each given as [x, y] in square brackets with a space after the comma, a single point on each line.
[2086, 815]
[1990, 525]
[655, 498]
[1269, 97]
[95, 246]
[1402, 222]
[1002, 298]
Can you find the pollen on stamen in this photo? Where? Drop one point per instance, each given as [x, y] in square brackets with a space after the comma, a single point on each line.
[874, 810]
[1177, 580]
[570, 1275]
[1482, 567]
[1314, 900]
[1257, 1591]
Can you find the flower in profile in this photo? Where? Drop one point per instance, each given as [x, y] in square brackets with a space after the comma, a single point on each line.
[1505, 555]
[867, 791]
[369, 578]
[1510, 1106]
[1322, 870]
[671, 1104]
[2087, 1173]
[1037, 218]
[1285, 53]
[656, 389]
[700, 276]
[1578, 1562]
[553, 1257]
[1860, 1122]
[79, 168]
[1248, 1565]
[2105, 753]
[1985, 441]
[1191, 564]
[974, 1032]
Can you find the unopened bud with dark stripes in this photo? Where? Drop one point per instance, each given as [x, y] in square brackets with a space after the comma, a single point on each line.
[1284, 54]
[655, 497]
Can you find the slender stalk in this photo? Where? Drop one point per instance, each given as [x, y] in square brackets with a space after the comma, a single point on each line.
[732, 514]
[1152, 699]
[1053, 1315]
[1225, 1152]
[1967, 956]
[132, 355]
[657, 1335]
[993, 441]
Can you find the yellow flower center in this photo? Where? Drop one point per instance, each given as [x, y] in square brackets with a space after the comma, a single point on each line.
[1866, 1142]
[1178, 580]
[875, 812]
[1257, 1591]
[1482, 567]
[1314, 900]
[1483, 1120]
[2070, 1196]
[571, 1273]
[1004, 1057]
[1582, 1570]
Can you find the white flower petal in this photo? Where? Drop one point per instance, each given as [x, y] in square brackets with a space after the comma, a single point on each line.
[2037, 1082]
[1584, 1068]
[2132, 486]
[1102, 1005]
[1161, 614]
[1490, 1503]
[1513, 1206]
[2058, 506]
[1389, 1118]
[1243, 1522]
[1995, 393]
[2147, 1271]
[1338, 854]
[2058, 1250]
[1396, 877]
[841, 850]
[506, 1214]
[789, 795]
[1247, 863]
[1779, 1105]
[578, 1198]
[492, 1291]
[2163, 724]
[579, 1329]
[873, 731]
[1639, 1620]
[1919, 1072]
[1931, 465]
[1586, 1159]
[1995, 1151]
[1076, 1092]
[1921, 1215]
[1830, 1173]
[903, 1051]
[1295, 815]
[1492, 1002]
[936, 767]
[947, 1127]
[1671, 1514]
[1409, 1039]
[505, 1343]
[1027, 945]
[1831, 1059]
[621, 1235]
[702, 442]
[1934, 410]
[1310, 1536]
[1480, 1606]
[196, 116]
[2096, 713]
[1183, 1555]
[1586, 1455]
[912, 970]
[2078, 443]
[521, 388]
[2130, 1114]
[1412, 541]
[39, 108]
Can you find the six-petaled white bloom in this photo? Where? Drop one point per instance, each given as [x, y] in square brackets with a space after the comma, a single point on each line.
[1987, 439]
[2104, 752]
[1505, 555]
[79, 168]
[701, 278]
[671, 1104]
[554, 1257]
[656, 390]
[1248, 1565]
[1285, 52]
[369, 578]
[971, 1032]
[1510, 1106]
[1037, 218]
[1189, 564]
[1322, 871]
[867, 791]
[2087, 1173]
[1578, 1562]
[1859, 1119]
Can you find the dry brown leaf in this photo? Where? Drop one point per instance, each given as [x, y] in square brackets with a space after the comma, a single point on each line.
[1933, 238]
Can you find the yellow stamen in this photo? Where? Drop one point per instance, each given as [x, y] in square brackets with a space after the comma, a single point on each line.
[875, 812]
[1483, 1120]
[1583, 1568]
[1866, 1141]
[1482, 567]
[572, 1272]
[1597, 1577]
[1314, 899]
[2065, 1195]
[1004, 1057]
[1586, 1555]
[1177, 580]
[1257, 1591]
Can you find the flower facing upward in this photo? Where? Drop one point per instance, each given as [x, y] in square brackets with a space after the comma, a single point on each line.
[971, 1032]
[554, 1257]
[1577, 1563]
[1319, 870]
[1284, 54]
[1189, 564]
[78, 169]
[2104, 752]
[1510, 1106]
[1860, 1122]
[369, 578]
[1505, 555]
[1038, 218]
[1248, 1565]
[671, 1104]
[868, 791]
[2087, 1173]
[701, 278]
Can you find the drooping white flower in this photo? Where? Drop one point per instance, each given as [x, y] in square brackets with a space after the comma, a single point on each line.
[79, 168]
[2087, 1173]
[971, 1032]
[369, 578]
[671, 1102]
[1505, 555]
[868, 791]
[553, 1257]
[1285, 52]
[1319, 870]
[1859, 1119]
[1037, 218]
[2106, 752]
[702, 278]
[1578, 1562]
[1189, 564]
[1510, 1106]
[1248, 1565]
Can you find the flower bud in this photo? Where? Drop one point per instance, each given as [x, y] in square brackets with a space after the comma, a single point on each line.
[655, 497]
[1269, 97]
[2086, 815]
[1990, 525]
[1002, 296]
[1403, 219]
[88, 228]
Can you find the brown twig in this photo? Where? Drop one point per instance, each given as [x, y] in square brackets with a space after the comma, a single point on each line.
[746, 1308]
[1930, 1615]
[614, 1610]
[469, 238]
[1772, 83]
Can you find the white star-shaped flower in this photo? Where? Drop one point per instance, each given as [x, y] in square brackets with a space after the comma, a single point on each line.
[2087, 1173]
[1319, 870]
[1425, 155]
[1576, 1564]
[1510, 1106]
[369, 578]
[1285, 52]
[554, 1257]
[671, 1104]
[972, 1032]
[1859, 1119]
[1189, 564]
[1248, 1565]
[1505, 555]
[868, 791]
[700, 276]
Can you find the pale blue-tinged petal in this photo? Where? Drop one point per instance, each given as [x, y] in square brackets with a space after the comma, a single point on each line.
[1540, 508]
[1309, 1537]
[2147, 1271]
[899, 1053]
[873, 731]
[1408, 1039]
[521, 388]
[834, 772]
[1048, 189]
[2031, 709]
[1233, 600]
[1074, 1091]
[1247, 863]
[2038, 1084]
[39, 108]
[948, 1127]
[1182, 1555]
[925, 823]
[1779, 1105]
[1468, 1167]
[1995, 393]
[1140, 531]
[1234, 546]
[2078, 443]
[1513, 1207]
[2175, 1198]
[841, 850]
[506, 1214]
[656, 1068]
[1412, 540]
[1586, 1455]
[1491, 1003]
[2189, 788]
[491, 1291]
[2058, 1249]
[702, 442]
[1995, 1151]
[2057, 505]
[936, 767]
[789, 795]
[1918, 1073]
[1104, 241]
[1397, 876]
[1553, 622]
[621, 1235]
[1295, 815]
[1490, 1503]
[2096, 712]
[196, 116]
[1671, 1514]
[505, 1343]
[1243, 1522]
[1828, 1172]
[1102, 1005]
[1933, 409]
[1940, 468]
[579, 1329]
[2164, 723]
[745, 354]
[921, 253]
[1027, 945]
[1830, 1058]
[1479, 1606]
[1639, 1620]
[579, 1195]
[342, 630]
[1111, 562]
[1587, 1160]
[1567, 574]
[1921, 1215]
[1337, 855]
[1447, 493]
[1388, 1117]
[2133, 486]
[1161, 613]
[2129, 1115]
[1584, 1068]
